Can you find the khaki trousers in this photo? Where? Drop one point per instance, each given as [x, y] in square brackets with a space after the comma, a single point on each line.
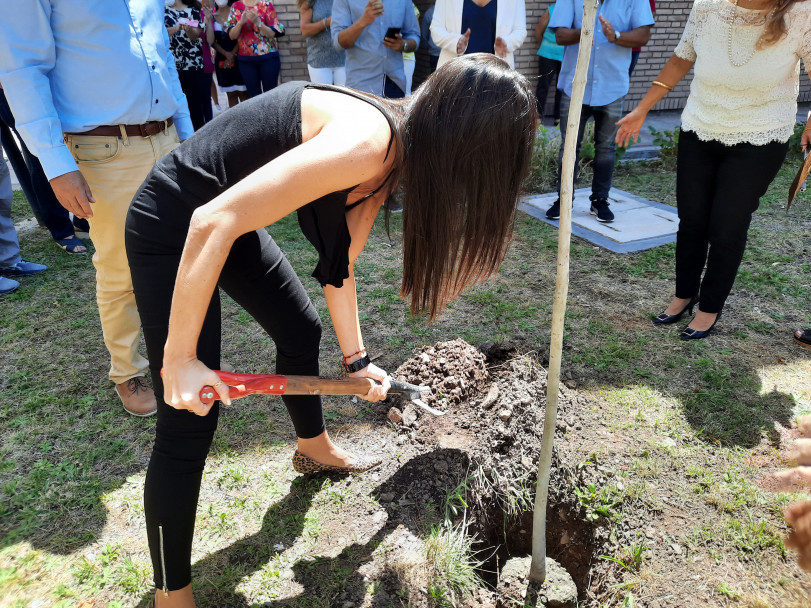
[114, 168]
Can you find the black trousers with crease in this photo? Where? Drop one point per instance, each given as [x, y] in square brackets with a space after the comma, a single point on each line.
[718, 188]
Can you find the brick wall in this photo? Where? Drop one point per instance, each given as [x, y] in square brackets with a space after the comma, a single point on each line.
[292, 48]
[671, 16]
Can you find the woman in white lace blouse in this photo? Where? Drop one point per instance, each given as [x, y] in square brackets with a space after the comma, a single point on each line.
[734, 136]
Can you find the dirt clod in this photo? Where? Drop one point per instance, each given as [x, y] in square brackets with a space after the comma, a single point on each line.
[515, 588]
[454, 370]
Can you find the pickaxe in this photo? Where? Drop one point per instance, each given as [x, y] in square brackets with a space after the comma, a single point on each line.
[242, 385]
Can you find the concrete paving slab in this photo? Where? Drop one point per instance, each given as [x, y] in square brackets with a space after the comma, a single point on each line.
[638, 224]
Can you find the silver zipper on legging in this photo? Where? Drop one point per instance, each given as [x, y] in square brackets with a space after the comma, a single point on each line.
[163, 563]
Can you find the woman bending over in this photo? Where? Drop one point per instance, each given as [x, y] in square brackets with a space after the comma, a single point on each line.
[333, 156]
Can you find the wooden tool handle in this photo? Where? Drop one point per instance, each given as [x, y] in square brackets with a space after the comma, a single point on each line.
[311, 385]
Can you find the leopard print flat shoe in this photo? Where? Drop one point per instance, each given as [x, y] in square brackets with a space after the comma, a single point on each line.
[306, 465]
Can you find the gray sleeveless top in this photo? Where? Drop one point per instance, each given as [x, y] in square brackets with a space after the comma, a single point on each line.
[320, 52]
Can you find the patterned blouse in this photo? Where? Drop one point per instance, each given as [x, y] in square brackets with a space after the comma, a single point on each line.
[188, 53]
[250, 42]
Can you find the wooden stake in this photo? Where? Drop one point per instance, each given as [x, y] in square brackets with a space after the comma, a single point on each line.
[537, 569]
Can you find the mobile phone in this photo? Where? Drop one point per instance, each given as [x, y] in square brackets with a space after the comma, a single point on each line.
[392, 32]
[189, 22]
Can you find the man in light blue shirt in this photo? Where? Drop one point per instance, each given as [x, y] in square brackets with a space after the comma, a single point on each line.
[95, 95]
[374, 62]
[620, 26]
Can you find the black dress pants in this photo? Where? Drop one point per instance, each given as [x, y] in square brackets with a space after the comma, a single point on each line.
[548, 70]
[718, 188]
[259, 278]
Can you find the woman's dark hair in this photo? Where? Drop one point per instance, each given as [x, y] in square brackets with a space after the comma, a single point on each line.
[467, 138]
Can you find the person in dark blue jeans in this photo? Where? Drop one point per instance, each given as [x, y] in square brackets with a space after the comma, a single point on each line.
[36, 187]
[604, 151]
[619, 27]
[11, 263]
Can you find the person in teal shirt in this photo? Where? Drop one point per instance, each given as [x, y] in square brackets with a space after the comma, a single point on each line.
[550, 56]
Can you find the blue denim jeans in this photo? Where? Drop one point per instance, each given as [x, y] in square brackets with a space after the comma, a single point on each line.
[9, 245]
[605, 130]
[32, 178]
[259, 72]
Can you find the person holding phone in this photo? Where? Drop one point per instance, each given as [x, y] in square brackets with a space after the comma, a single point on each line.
[255, 25]
[377, 34]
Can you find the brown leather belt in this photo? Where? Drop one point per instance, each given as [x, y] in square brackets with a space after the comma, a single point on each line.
[145, 130]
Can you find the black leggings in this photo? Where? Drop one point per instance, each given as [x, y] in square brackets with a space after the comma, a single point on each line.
[259, 278]
[718, 188]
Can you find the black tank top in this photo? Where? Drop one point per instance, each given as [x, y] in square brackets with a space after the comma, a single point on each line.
[251, 134]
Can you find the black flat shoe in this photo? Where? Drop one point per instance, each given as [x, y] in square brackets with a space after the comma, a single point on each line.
[664, 319]
[688, 333]
[804, 339]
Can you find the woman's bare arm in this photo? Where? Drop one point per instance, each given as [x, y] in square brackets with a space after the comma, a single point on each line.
[342, 155]
[308, 28]
[342, 302]
[541, 27]
[209, 23]
[675, 69]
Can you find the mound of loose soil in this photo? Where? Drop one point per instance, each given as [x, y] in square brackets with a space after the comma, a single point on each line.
[488, 442]
[454, 370]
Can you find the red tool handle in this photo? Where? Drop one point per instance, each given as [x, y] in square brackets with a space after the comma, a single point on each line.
[242, 385]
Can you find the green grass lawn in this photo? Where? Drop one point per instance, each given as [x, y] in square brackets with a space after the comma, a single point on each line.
[72, 463]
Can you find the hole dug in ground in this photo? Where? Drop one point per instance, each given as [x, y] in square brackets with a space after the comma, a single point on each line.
[495, 407]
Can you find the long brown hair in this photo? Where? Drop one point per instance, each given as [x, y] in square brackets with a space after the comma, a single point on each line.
[467, 136]
[776, 26]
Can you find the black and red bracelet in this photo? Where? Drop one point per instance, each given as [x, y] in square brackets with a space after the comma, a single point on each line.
[355, 366]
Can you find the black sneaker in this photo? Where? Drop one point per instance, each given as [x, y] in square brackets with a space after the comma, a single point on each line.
[599, 207]
[553, 213]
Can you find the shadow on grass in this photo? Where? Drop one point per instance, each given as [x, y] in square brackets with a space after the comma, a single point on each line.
[720, 394]
[722, 417]
[323, 578]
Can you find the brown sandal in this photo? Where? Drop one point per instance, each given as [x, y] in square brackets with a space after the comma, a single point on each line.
[306, 465]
